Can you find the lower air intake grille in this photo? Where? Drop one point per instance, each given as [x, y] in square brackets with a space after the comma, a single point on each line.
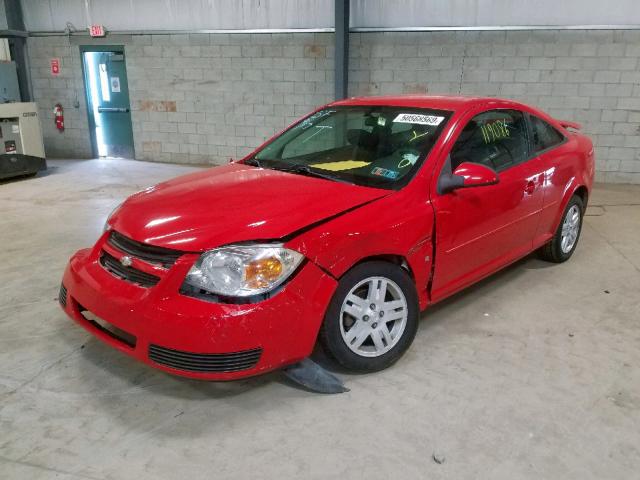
[205, 362]
[129, 274]
[62, 295]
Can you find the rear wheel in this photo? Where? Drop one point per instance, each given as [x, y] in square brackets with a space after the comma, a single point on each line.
[565, 240]
[372, 318]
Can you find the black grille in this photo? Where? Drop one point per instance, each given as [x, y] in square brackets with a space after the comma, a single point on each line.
[62, 295]
[205, 362]
[158, 255]
[129, 274]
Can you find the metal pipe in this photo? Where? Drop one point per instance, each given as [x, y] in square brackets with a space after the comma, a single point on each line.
[85, 33]
[13, 33]
[51, 33]
[492, 28]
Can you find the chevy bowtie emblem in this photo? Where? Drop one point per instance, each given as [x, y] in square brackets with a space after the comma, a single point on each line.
[126, 261]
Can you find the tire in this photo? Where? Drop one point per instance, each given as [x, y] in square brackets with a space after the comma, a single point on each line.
[561, 247]
[358, 336]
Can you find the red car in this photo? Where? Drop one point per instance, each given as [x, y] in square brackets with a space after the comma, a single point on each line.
[341, 229]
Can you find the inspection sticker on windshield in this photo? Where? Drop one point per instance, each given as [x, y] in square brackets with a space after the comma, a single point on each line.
[383, 172]
[418, 119]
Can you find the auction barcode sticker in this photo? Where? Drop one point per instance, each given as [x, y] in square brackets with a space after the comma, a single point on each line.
[419, 119]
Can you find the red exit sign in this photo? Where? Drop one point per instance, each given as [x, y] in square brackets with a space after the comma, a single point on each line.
[96, 30]
[55, 67]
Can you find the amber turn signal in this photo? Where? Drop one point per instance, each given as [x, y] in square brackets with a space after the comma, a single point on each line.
[262, 272]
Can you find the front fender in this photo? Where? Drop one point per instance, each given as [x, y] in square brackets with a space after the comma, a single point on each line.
[393, 226]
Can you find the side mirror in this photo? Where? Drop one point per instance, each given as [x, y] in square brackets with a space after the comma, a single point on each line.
[476, 175]
[466, 175]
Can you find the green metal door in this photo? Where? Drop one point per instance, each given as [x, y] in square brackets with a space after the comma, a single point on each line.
[108, 100]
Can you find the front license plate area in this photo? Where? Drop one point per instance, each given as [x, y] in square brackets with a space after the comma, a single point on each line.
[111, 330]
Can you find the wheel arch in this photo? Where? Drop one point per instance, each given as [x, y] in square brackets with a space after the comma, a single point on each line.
[418, 277]
[395, 259]
[332, 333]
[572, 189]
[583, 193]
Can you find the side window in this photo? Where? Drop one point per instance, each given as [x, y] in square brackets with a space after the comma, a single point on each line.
[497, 139]
[544, 135]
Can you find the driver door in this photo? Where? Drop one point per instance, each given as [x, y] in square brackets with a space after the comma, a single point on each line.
[480, 229]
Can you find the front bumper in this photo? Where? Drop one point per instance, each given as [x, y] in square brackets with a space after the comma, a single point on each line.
[191, 337]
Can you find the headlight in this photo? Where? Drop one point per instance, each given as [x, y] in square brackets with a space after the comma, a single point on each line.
[106, 222]
[243, 270]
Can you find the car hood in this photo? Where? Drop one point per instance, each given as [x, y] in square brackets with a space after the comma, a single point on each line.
[233, 203]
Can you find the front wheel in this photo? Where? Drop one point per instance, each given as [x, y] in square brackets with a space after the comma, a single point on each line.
[372, 318]
[565, 240]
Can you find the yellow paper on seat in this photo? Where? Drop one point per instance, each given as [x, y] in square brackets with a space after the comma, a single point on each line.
[339, 166]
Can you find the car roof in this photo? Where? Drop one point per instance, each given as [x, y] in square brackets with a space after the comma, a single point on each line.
[453, 103]
[436, 102]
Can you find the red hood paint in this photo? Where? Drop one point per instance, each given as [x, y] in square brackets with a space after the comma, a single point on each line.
[233, 203]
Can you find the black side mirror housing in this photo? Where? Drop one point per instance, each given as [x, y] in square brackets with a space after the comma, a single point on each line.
[449, 182]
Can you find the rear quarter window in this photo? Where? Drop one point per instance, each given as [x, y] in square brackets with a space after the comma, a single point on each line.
[544, 136]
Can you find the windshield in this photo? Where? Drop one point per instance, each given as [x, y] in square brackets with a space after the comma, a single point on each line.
[366, 145]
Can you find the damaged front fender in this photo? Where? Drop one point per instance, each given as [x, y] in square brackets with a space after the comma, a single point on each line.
[385, 228]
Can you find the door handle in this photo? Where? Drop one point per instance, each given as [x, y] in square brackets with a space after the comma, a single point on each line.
[113, 110]
[530, 188]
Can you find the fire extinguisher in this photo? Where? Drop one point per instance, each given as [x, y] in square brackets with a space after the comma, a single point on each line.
[58, 113]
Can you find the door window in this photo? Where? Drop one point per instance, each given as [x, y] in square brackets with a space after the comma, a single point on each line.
[544, 135]
[497, 139]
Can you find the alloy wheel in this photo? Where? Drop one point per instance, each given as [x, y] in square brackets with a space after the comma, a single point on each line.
[570, 229]
[373, 316]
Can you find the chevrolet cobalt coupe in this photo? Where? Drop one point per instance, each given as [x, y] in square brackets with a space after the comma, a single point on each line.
[341, 229]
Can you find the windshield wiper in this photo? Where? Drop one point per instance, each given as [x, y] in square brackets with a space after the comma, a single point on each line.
[253, 161]
[306, 170]
[298, 168]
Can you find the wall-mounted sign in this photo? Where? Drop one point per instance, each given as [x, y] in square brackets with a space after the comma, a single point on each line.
[96, 31]
[115, 84]
[55, 67]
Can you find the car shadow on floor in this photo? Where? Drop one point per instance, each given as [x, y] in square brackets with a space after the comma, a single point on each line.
[144, 401]
[439, 312]
[445, 309]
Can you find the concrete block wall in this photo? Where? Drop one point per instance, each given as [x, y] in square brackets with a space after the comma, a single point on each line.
[195, 98]
[203, 98]
[67, 88]
[589, 76]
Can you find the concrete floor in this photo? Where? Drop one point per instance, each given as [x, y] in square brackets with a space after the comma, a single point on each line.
[532, 374]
